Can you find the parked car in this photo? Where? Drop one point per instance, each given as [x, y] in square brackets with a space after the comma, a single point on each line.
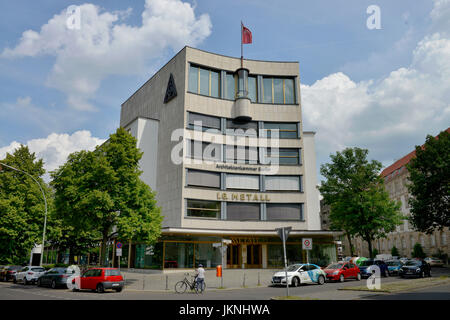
[8, 272]
[298, 274]
[28, 274]
[434, 262]
[394, 266]
[342, 271]
[364, 267]
[415, 267]
[99, 279]
[403, 260]
[56, 277]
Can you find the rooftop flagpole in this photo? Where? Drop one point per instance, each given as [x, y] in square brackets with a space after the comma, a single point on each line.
[242, 45]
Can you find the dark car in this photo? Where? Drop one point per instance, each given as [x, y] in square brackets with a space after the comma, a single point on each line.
[56, 277]
[99, 279]
[9, 272]
[417, 268]
[366, 272]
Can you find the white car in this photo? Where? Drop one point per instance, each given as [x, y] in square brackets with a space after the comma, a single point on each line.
[298, 274]
[434, 262]
[29, 274]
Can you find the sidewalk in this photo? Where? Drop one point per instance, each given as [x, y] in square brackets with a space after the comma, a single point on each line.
[156, 280]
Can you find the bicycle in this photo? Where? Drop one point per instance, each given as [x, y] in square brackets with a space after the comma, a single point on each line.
[181, 286]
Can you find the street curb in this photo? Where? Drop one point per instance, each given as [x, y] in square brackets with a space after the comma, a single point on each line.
[400, 289]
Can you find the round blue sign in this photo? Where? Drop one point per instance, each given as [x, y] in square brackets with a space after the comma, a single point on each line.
[119, 245]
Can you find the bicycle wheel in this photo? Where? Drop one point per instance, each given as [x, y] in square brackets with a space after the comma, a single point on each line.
[180, 287]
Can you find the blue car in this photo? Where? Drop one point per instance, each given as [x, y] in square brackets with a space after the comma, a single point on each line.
[364, 267]
[394, 266]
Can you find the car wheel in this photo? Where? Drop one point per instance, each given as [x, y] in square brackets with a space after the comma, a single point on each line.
[341, 278]
[358, 277]
[422, 274]
[118, 289]
[39, 283]
[321, 280]
[295, 282]
[25, 281]
[53, 284]
[14, 280]
[100, 288]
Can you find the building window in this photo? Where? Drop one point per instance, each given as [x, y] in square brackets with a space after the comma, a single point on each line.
[283, 183]
[288, 156]
[203, 209]
[204, 81]
[285, 130]
[433, 240]
[249, 128]
[284, 211]
[204, 150]
[278, 90]
[242, 181]
[203, 122]
[241, 154]
[252, 88]
[230, 86]
[243, 211]
[199, 178]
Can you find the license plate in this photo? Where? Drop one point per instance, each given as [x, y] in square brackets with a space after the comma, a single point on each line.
[115, 285]
[277, 280]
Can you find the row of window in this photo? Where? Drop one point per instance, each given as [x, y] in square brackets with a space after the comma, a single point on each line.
[232, 181]
[242, 211]
[242, 154]
[285, 130]
[208, 82]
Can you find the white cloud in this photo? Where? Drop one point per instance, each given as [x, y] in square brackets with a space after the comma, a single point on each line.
[104, 45]
[389, 115]
[55, 148]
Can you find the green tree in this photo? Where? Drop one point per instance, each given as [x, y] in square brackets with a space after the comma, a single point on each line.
[100, 193]
[22, 206]
[355, 192]
[418, 251]
[394, 252]
[430, 184]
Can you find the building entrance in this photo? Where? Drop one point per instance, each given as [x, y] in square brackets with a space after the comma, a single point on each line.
[234, 253]
[254, 253]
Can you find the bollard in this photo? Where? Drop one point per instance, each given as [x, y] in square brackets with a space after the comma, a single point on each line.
[243, 284]
[259, 280]
[167, 282]
[143, 282]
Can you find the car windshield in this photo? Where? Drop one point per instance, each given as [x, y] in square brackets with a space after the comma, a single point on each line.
[366, 263]
[112, 272]
[293, 267]
[393, 263]
[334, 266]
[412, 263]
[15, 268]
[38, 269]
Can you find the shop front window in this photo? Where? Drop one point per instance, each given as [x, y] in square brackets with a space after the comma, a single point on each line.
[179, 255]
[207, 255]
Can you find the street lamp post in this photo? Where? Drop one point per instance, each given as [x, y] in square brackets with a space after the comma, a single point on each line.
[45, 204]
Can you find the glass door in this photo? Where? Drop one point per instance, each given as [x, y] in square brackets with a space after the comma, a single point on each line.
[254, 256]
[234, 256]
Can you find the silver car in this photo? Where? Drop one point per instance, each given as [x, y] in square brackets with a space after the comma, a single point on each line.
[434, 262]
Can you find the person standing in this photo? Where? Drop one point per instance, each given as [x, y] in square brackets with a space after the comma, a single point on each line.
[200, 277]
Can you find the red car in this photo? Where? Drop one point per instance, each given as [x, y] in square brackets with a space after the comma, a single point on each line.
[99, 279]
[342, 271]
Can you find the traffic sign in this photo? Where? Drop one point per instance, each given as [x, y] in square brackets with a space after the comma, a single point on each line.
[119, 245]
[286, 231]
[307, 243]
[119, 252]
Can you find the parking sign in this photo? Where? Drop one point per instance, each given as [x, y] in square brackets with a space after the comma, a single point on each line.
[307, 243]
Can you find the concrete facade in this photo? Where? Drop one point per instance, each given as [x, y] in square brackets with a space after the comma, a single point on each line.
[162, 130]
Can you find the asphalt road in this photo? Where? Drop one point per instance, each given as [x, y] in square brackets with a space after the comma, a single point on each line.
[10, 291]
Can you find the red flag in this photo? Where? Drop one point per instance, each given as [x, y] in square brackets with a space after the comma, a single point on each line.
[246, 35]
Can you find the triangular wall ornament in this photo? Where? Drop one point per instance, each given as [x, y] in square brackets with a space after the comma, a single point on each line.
[171, 91]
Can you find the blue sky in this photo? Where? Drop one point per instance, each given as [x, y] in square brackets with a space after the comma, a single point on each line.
[379, 89]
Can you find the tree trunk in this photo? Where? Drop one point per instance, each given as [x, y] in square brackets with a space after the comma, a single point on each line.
[369, 242]
[71, 256]
[350, 243]
[103, 250]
